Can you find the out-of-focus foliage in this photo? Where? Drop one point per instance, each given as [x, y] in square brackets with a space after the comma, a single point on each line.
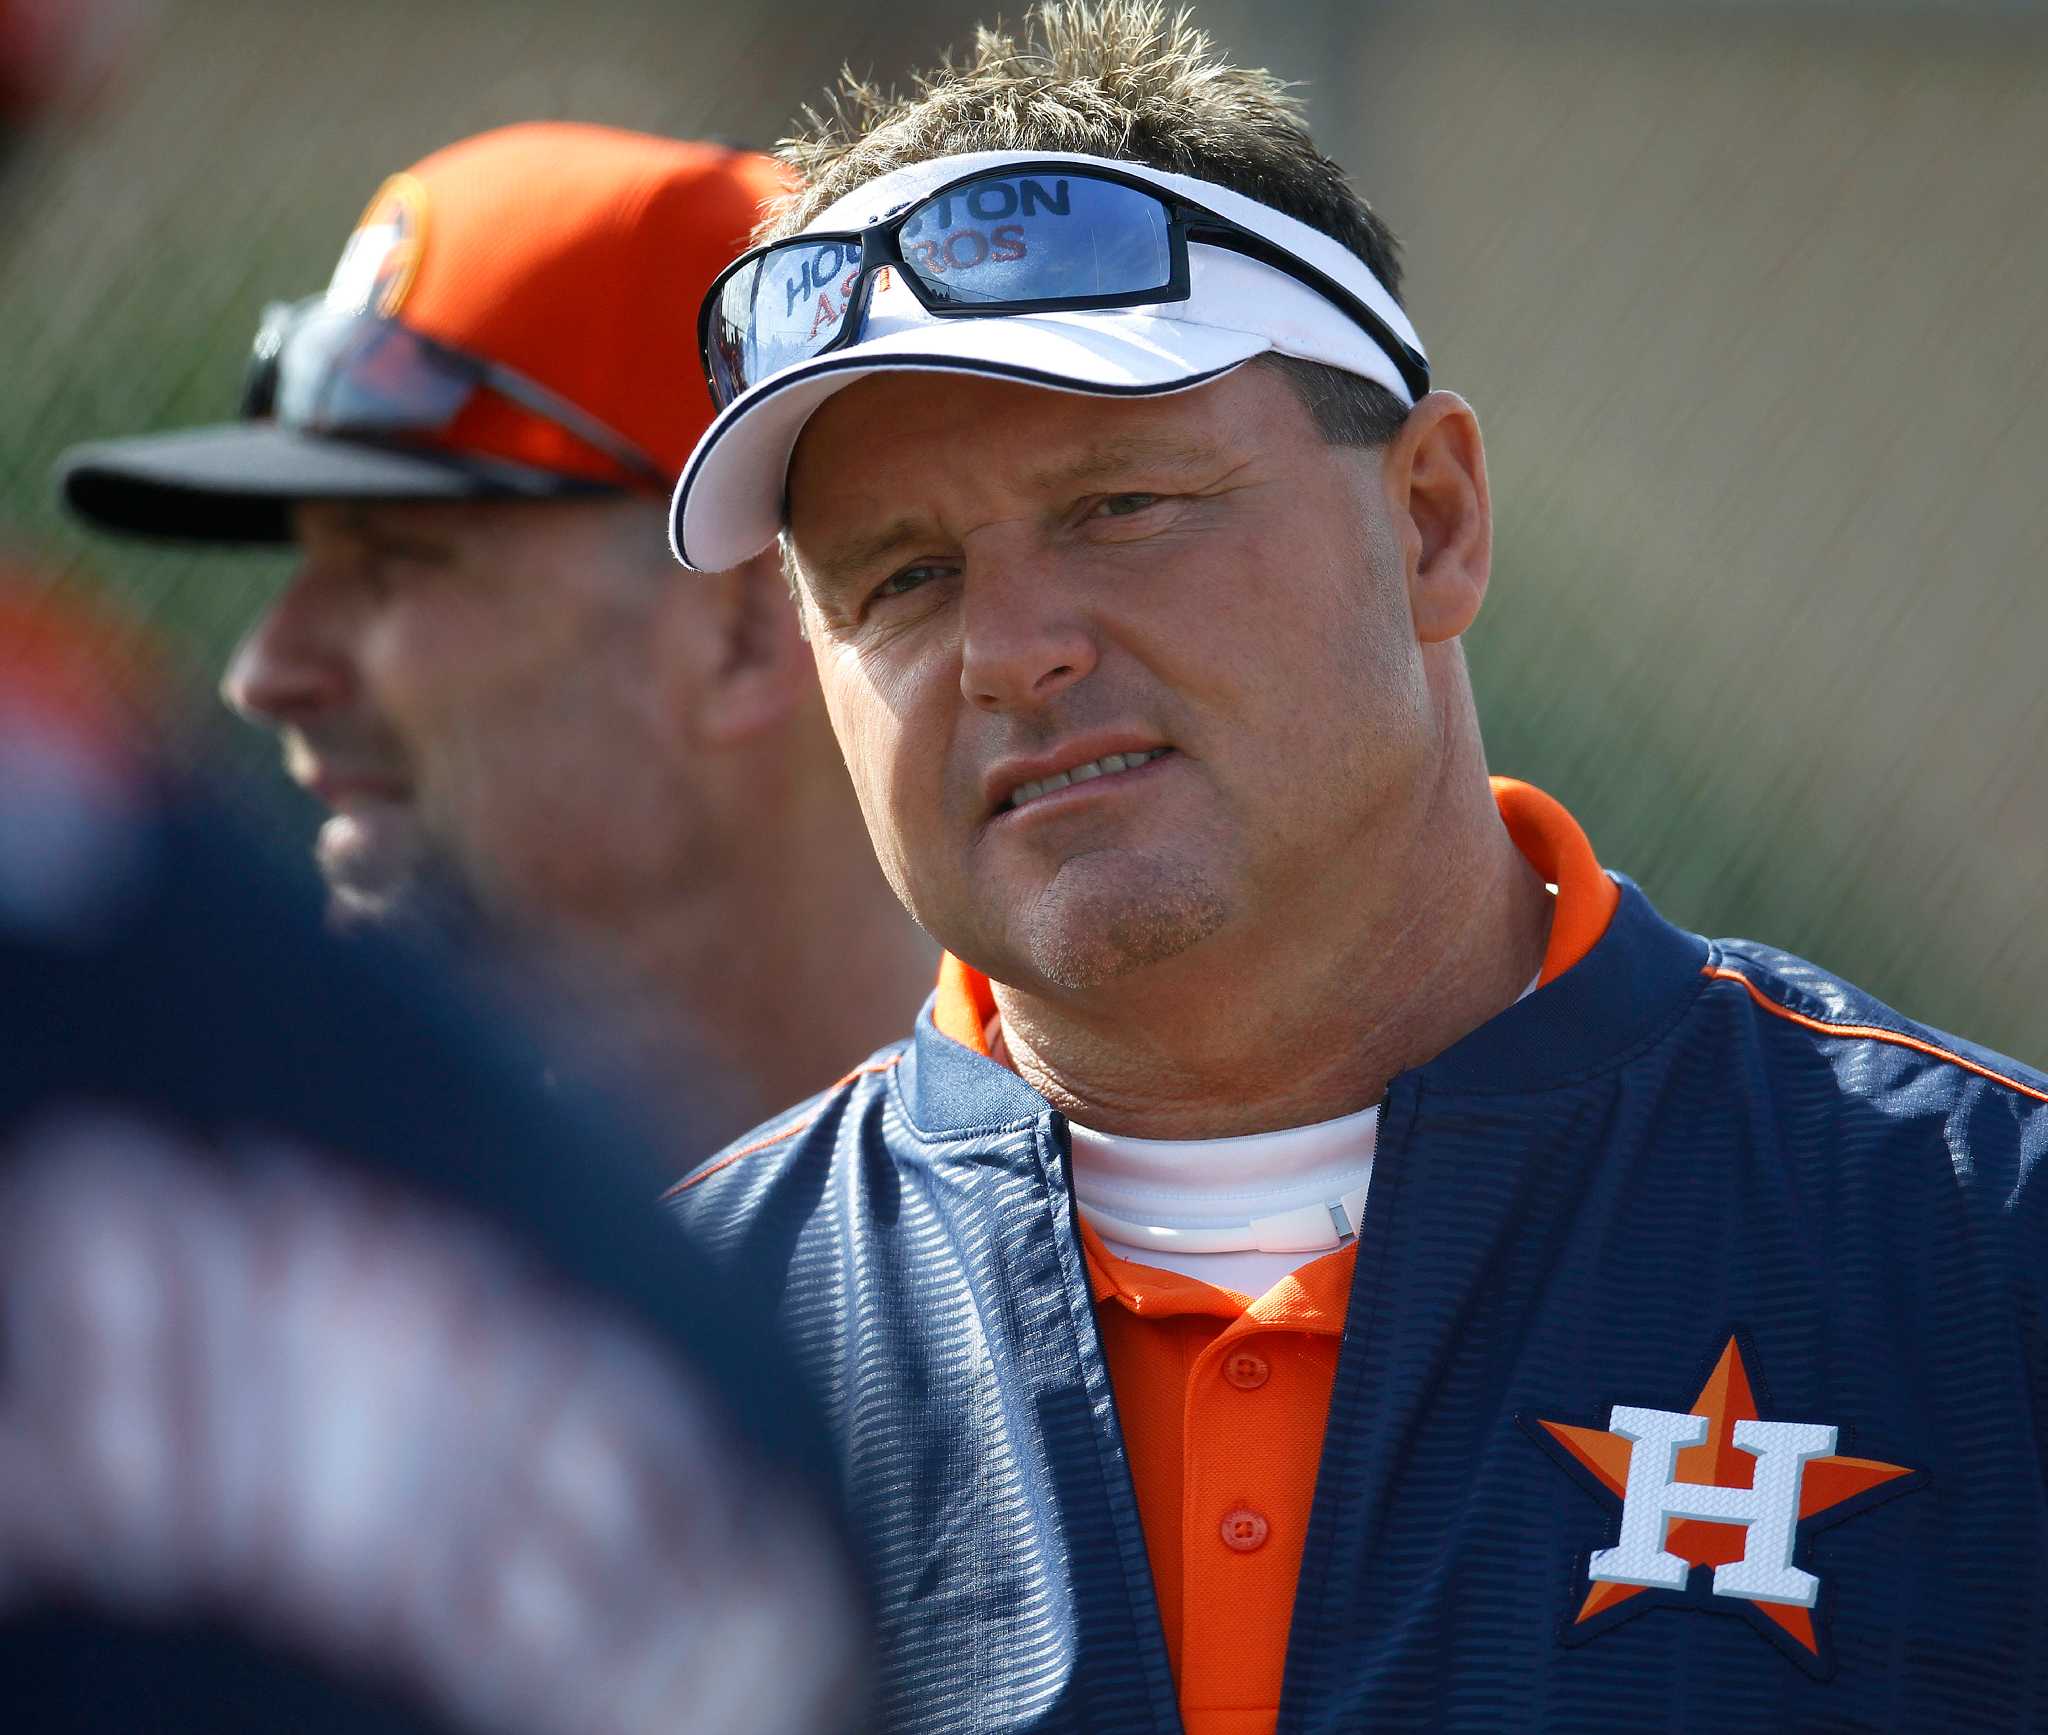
[1748, 297]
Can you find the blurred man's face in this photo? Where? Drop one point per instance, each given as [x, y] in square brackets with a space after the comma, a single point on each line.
[467, 688]
[1006, 585]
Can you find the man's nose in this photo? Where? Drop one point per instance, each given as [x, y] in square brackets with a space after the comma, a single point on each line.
[1024, 635]
[294, 662]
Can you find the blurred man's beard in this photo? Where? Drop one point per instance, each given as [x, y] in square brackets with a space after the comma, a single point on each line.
[384, 872]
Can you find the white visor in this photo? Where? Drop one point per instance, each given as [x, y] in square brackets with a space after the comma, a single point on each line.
[729, 504]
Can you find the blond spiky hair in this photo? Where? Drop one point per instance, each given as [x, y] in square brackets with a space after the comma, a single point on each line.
[1120, 78]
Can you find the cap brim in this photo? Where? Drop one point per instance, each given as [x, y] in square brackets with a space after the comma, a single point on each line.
[728, 505]
[239, 482]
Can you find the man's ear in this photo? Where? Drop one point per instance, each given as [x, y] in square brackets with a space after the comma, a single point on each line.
[735, 663]
[1434, 472]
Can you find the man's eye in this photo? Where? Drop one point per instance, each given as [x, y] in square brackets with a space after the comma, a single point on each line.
[899, 583]
[396, 562]
[1123, 505]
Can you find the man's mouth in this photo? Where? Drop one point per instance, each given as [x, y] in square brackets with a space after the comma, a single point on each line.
[343, 786]
[344, 771]
[346, 794]
[1107, 766]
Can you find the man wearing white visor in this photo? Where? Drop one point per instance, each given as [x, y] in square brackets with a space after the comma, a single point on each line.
[1328, 1255]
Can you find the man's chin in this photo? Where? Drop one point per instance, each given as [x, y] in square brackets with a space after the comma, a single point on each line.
[382, 872]
[1086, 930]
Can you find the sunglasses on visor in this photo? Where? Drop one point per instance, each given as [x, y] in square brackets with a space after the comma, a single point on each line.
[1025, 238]
[321, 370]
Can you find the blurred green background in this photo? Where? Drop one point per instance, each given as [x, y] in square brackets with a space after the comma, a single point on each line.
[1750, 298]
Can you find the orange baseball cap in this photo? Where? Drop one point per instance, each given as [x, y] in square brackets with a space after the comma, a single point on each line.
[513, 317]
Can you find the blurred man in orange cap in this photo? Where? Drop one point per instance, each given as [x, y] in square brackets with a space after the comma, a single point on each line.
[425, 1420]
[521, 725]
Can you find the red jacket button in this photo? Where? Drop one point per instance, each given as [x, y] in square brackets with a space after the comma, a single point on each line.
[1245, 1530]
[1247, 1370]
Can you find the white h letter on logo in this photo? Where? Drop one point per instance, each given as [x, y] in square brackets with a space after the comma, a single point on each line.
[1769, 1507]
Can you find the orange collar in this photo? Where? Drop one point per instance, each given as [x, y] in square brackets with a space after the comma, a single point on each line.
[1548, 837]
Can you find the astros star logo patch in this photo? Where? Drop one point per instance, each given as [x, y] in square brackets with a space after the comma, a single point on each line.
[1716, 1487]
[383, 254]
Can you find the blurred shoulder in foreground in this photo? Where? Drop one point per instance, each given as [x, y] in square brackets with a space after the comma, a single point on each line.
[347, 1381]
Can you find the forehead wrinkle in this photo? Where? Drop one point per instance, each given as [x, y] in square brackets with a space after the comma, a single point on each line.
[377, 523]
[1123, 452]
[1099, 458]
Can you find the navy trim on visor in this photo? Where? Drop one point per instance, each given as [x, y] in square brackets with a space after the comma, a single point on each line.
[855, 362]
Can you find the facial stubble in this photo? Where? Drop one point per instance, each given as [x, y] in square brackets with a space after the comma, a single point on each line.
[1110, 912]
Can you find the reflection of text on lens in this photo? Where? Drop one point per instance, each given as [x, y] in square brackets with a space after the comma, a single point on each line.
[992, 201]
[966, 248]
[818, 269]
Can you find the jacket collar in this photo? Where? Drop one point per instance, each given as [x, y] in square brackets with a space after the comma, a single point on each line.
[1615, 973]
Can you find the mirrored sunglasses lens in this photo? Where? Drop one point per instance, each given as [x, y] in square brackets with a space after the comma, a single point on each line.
[259, 379]
[353, 373]
[1038, 237]
[787, 307]
[727, 333]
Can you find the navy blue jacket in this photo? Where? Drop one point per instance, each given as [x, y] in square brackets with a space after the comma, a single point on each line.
[1674, 1146]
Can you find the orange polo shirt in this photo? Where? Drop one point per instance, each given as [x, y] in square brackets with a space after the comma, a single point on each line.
[1222, 1398]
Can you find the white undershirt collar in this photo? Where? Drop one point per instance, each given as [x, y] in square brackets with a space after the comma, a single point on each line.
[1240, 1213]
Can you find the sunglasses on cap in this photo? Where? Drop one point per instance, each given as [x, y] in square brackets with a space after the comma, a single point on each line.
[323, 370]
[1030, 237]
